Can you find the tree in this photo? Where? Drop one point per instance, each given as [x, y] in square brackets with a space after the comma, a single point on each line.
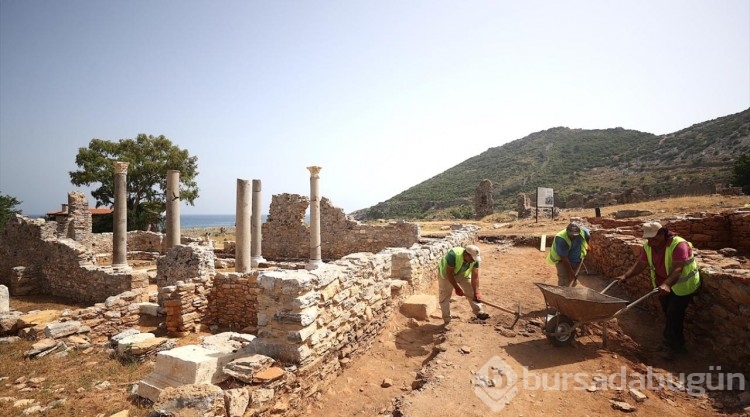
[741, 173]
[7, 209]
[149, 158]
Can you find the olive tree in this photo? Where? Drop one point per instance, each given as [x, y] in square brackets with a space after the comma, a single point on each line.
[7, 208]
[149, 158]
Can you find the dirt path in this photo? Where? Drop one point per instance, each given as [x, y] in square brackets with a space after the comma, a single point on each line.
[430, 371]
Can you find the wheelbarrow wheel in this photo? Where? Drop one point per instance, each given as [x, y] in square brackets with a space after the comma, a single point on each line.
[560, 330]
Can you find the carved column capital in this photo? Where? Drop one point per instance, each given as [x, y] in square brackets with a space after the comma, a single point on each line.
[314, 171]
[121, 167]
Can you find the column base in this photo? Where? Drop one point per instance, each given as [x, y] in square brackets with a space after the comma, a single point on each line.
[256, 260]
[313, 264]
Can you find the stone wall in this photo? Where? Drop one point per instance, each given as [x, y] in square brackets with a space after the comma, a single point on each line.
[117, 313]
[304, 316]
[285, 234]
[729, 229]
[184, 304]
[340, 307]
[75, 223]
[639, 194]
[523, 206]
[287, 237]
[138, 240]
[233, 303]
[35, 259]
[719, 317]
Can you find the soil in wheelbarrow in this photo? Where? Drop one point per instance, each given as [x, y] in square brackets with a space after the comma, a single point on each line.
[421, 369]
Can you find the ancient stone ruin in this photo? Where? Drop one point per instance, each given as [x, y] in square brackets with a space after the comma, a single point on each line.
[484, 205]
[307, 318]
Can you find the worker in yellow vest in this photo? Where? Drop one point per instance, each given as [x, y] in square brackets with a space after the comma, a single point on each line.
[458, 271]
[674, 272]
[568, 250]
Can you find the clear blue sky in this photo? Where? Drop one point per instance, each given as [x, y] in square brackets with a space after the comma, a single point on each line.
[382, 94]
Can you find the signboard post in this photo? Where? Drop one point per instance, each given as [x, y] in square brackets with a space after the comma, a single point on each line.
[545, 198]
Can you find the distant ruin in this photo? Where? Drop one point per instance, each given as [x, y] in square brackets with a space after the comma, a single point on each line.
[484, 205]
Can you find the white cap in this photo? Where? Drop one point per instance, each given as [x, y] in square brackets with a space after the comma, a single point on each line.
[650, 229]
[474, 252]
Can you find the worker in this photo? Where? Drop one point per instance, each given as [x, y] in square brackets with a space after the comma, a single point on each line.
[568, 250]
[674, 271]
[458, 271]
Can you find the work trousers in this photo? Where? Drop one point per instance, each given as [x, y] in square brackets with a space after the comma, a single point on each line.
[563, 277]
[446, 290]
[674, 307]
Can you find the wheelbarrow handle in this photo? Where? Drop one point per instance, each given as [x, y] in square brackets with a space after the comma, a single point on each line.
[609, 286]
[629, 306]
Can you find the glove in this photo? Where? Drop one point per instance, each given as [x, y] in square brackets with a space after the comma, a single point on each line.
[477, 296]
[459, 292]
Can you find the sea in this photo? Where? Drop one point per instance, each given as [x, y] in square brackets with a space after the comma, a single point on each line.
[200, 221]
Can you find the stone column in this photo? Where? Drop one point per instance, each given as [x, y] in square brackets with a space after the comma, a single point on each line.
[315, 253]
[4, 299]
[120, 231]
[173, 208]
[255, 254]
[242, 248]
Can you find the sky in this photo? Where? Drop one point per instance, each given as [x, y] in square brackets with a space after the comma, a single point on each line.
[382, 94]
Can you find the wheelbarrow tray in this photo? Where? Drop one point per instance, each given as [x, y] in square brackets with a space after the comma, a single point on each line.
[581, 304]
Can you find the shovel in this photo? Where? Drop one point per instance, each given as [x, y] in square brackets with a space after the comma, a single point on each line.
[516, 313]
[575, 278]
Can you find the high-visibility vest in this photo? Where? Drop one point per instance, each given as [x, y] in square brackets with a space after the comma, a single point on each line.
[443, 264]
[690, 278]
[553, 257]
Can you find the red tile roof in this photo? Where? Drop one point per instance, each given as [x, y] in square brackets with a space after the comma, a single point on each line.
[94, 211]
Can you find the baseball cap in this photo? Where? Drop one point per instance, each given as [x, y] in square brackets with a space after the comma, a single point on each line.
[474, 252]
[650, 229]
[573, 229]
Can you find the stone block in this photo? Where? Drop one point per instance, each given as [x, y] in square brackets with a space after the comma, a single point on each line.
[38, 318]
[419, 306]
[236, 400]
[190, 364]
[149, 309]
[124, 344]
[58, 329]
[146, 346]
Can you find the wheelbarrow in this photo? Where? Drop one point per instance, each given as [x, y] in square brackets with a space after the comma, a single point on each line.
[568, 308]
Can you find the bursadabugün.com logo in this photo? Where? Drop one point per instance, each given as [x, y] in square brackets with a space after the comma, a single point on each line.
[496, 383]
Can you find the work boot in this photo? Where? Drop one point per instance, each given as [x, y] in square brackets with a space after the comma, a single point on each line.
[482, 315]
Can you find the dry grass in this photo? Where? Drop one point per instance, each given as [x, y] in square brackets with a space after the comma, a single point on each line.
[75, 377]
[41, 302]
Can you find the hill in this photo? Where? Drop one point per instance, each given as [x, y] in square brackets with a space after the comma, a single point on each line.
[690, 161]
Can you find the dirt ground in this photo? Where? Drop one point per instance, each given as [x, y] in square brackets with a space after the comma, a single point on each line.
[454, 366]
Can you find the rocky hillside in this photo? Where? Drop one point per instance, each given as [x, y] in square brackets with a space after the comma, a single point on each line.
[690, 161]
